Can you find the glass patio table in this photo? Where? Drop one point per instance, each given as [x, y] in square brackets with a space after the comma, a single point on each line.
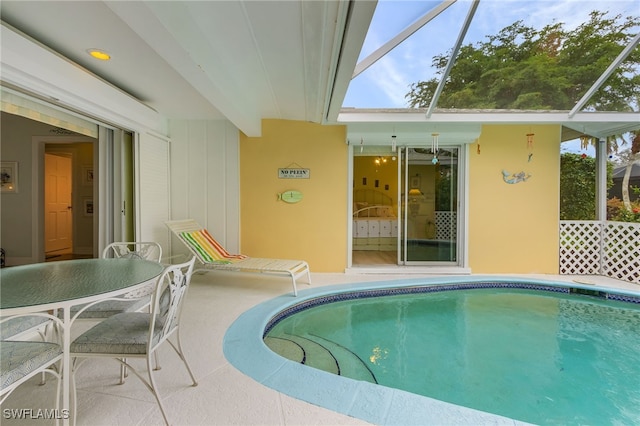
[60, 285]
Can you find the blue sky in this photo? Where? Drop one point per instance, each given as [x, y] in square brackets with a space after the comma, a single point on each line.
[386, 83]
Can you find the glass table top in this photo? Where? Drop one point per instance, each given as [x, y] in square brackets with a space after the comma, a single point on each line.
[55, 282]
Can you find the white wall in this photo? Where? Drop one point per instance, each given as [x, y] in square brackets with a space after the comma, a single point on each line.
[205, 186]
[153, 196]
[16, 233]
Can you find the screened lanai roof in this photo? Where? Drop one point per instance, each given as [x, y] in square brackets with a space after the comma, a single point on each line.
[427, 65]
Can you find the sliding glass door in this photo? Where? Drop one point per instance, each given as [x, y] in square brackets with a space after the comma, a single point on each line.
[429, 206]
[406, 207]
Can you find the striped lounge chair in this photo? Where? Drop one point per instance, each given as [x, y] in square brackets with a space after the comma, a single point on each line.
[212, 256]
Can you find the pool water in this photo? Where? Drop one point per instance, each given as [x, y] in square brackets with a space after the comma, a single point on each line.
[544, 358]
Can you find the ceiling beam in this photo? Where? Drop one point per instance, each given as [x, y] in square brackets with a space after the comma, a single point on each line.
[605, 75]
[185, 48]
[357, 17]
[452, 58]
[322, 43]
[486, 116]
[35, 69]
[402, 36]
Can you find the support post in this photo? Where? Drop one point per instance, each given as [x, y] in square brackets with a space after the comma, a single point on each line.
[601, 198]
[601, 180]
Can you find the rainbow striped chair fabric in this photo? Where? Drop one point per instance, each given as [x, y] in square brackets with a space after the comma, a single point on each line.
[213, 256]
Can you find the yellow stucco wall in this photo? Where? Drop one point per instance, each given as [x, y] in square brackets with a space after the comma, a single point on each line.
[513, 228]
[315, 229]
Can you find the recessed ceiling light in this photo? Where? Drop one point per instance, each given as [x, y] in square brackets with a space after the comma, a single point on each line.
[99, 54]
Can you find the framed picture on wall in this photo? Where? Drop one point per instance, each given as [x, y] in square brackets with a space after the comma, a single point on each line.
[9, 176]
[415, 182]
[87, 207]
[87, 175]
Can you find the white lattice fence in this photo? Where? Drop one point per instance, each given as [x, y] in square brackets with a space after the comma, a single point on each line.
[446, 225]
[580, 247]
[600, 248]
[622, 251]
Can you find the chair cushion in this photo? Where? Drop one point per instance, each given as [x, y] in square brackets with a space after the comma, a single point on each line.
[20, 359]
[14, 326]
[109, 308]
[124, 333]
[209, 250]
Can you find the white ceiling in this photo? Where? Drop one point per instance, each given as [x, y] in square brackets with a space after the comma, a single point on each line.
[245, 60]
[240, 60]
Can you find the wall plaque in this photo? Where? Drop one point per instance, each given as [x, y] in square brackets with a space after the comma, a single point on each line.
[291, 173]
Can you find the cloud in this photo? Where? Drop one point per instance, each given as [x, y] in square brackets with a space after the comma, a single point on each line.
[393, 83]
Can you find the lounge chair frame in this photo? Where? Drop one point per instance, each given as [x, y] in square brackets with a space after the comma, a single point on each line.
[294, 269]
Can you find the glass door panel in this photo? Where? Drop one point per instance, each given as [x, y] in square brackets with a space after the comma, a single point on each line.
[375, 194]
[429, 206]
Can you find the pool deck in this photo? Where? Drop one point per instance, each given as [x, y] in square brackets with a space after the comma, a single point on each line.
[227, 396]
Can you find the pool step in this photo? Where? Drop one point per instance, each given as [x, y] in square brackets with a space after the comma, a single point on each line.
[351, 365]
[314, 354]
[286, 348]
[321, 353]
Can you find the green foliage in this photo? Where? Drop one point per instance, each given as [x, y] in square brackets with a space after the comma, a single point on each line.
[446, 195]
[578, 186]
[616, 211]
[552, 68]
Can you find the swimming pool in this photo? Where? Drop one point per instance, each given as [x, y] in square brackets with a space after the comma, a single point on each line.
[364, 399]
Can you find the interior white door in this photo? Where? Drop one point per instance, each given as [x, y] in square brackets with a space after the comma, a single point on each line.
[58, 207]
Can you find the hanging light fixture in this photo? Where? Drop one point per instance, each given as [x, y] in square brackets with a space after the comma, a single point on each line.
[393, 143]
[380, 160]
[434, 147]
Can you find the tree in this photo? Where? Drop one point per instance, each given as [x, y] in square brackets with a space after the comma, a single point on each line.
[552, 68]
[634, 157]
[547, 69]
[577, 187]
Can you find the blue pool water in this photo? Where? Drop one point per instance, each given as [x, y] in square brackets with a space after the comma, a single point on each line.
[544, 357]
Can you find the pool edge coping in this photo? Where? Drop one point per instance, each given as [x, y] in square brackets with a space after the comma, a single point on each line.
[244, 348]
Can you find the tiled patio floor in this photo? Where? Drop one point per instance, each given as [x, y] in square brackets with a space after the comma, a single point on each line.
[224, 395]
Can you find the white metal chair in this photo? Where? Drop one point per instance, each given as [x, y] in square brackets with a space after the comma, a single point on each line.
[25, 327]
[140, 334]
[13, 328]
[129, 302]
[22, 360]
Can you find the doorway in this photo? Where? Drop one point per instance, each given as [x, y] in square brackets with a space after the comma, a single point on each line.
[68, 182]
[406, 207]
[58, 214]
[375, 222]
